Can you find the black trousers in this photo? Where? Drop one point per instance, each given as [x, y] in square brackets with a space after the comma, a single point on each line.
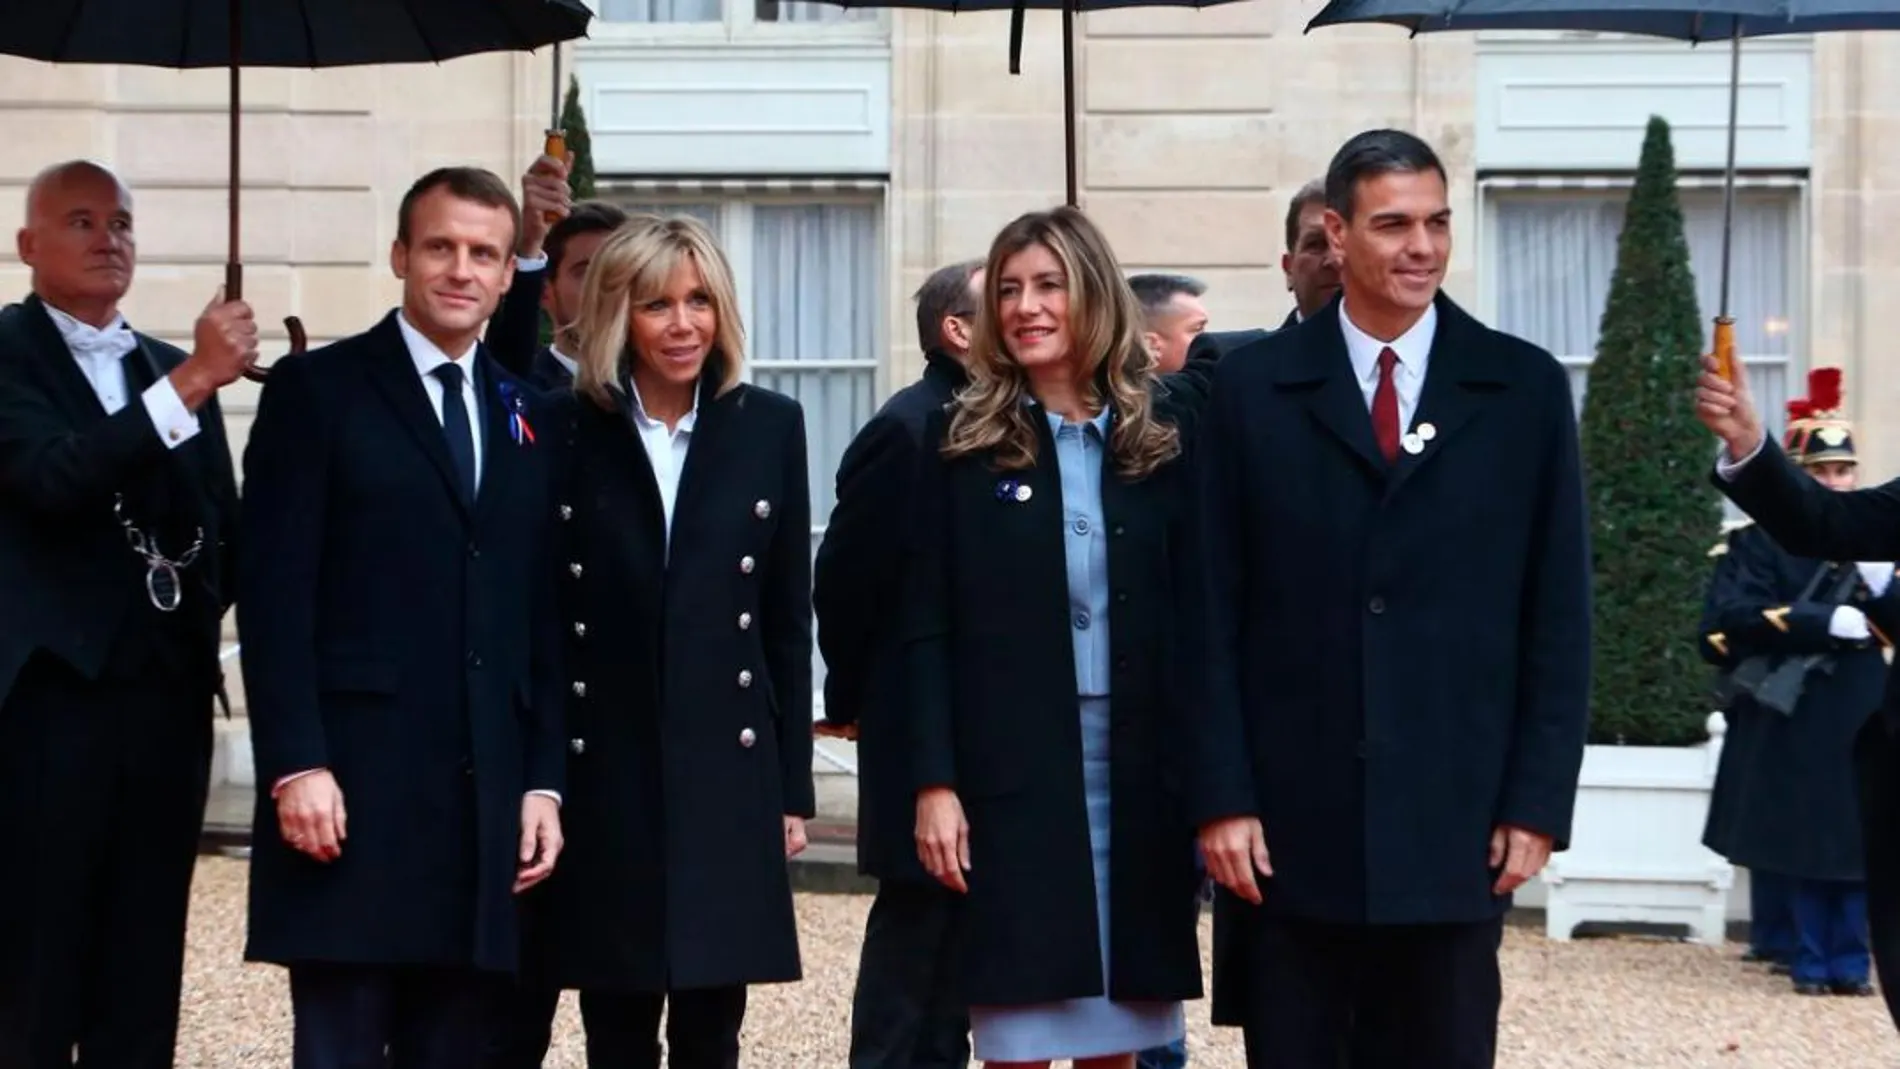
[1877, 765]
[623, 1028]
[1322, 996]
[102, 793]
[385, 1017]
[903, 1012]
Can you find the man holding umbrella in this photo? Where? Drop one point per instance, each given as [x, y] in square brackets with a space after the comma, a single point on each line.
[118, 515]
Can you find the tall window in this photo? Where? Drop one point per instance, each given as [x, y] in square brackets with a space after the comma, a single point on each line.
[809, 274]
[738, 12]
[1552, 252]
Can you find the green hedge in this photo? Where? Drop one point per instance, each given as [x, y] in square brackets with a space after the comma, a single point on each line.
[1646, 460]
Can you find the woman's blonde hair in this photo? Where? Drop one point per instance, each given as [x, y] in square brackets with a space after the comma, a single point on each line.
[1113, 365]
[633, 266]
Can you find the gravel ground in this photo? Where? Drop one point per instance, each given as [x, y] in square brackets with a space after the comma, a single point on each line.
[1600, 1002]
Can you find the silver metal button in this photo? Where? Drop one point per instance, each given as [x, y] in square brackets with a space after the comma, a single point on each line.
[580, 689]
[567, 512]
[575, 569]
[747, 738]
[580, 629]
[745, 621]
[746, 564]
[762, 509]
[745, 677]
[579, 746]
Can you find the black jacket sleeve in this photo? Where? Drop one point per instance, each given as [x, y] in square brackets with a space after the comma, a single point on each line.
[514, 331]
[785, 608]
[49, 468]
[927, 625]
[1810, 520]
[861, 559]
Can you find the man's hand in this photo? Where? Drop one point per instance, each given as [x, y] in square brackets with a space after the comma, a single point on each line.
[1522, 853]
[795, 841]
[943, 837]
[540, 840]
[825, 729]
[544, 198]
[223, 348]
[1234, 849]
[310, 815]
[1727, 408]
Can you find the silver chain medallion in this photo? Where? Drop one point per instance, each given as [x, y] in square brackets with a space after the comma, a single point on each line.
[162, 584]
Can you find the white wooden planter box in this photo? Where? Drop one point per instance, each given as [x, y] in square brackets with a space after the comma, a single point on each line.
[1636, 853]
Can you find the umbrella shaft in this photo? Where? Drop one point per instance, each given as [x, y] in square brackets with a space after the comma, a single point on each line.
[233, 270]
[1728, 176]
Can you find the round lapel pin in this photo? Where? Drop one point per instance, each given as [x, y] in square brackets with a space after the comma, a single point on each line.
[1412, 444]
[1023, 492]
[1426, 432]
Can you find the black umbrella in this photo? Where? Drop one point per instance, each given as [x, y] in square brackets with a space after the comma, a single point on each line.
[191, 34]
[1016, 8]
[1694, 21]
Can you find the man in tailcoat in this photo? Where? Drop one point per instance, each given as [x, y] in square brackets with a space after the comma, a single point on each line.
[1390, 717]
[903, 1015]
[399, 656]
[1784, 805]
[117, 518]
[1810, 520]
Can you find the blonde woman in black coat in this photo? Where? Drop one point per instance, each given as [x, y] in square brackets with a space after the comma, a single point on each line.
[683, 534]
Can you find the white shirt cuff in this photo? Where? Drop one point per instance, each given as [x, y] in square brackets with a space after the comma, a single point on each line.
[176, 424]
[556, 795]
[524, 263]
[1727, 468]
[1848, 623]
[1878, 575]
[284, 781]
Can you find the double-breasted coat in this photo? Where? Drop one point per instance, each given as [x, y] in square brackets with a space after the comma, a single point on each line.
[994, 714]
[688, 703]
[1397, 654]
[398, 636]
[1784, 799]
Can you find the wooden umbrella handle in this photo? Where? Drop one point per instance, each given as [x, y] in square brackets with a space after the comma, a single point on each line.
[299, 341]
[554, 146]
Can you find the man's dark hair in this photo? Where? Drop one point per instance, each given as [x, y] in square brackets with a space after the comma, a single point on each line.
[945, 293]
[1156, 291]
[474, 184]
[1313, 192]
[587, 217]
[1371, 154]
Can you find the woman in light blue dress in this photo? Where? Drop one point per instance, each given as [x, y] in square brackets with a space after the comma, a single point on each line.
[1040, 610]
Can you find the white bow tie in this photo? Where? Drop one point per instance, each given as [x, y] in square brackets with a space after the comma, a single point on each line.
[90, 343]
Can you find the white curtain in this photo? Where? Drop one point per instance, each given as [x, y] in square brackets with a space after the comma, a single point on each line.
[1556, 253]
[810, 11]
[815, 284]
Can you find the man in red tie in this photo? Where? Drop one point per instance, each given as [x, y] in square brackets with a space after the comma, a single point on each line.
[1394, 604]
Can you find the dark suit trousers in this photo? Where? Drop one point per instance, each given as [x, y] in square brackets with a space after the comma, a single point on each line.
[1323, 996]
[347, 1016]
[102, 793]
[1877, 762]
[903, 1015]
[623, 1028]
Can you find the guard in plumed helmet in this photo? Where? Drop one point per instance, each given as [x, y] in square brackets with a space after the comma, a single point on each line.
[1799, 643]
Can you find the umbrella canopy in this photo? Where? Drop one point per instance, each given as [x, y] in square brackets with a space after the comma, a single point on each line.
[196, 34]
[190, 34]
[1684, 20]
[1016, 8]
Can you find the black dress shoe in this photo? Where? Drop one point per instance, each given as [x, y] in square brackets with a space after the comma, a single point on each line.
[1810, 989]
[1781, 968]
[1856, 990]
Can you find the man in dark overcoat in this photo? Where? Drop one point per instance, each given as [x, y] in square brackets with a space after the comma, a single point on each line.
[903, 1012]
[1786, 807]
[399, 657]
[118, 513]
[1395, 611]
[1810, 520]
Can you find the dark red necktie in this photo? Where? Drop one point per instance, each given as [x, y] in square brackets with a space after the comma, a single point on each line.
[1385, 408]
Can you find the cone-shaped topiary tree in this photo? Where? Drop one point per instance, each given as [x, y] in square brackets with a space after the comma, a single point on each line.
[580, 177]
[1646, 461]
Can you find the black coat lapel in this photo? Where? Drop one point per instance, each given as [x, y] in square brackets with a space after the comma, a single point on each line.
[394, 374]
[501, 454]
[1460, 377]
[706, 449]
[1322, 370]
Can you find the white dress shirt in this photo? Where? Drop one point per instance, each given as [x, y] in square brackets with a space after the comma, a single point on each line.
[572, 365]
[100, 353]
[428, 357]
[667, 452]
[1414, 349]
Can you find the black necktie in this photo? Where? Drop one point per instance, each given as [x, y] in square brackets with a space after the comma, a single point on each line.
[456, 426]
